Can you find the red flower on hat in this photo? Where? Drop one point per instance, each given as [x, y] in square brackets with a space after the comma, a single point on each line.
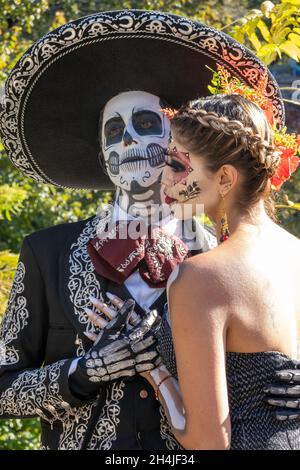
[288, 164]
[269, 112]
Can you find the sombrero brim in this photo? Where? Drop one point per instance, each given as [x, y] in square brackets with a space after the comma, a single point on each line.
[53, 96]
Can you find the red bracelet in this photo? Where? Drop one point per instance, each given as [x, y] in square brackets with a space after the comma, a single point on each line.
[157, 389]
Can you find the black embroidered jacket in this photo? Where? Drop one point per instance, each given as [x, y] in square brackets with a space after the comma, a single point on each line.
[42, 333]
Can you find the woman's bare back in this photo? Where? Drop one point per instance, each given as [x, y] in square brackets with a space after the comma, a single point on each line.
[264, 276]
[255, 278]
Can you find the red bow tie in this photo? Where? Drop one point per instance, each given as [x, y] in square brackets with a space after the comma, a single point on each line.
[155, 253]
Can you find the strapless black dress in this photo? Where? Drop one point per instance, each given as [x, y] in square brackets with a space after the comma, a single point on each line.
[253, 424]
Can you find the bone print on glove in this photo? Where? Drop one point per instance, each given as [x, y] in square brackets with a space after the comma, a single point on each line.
[119, 352]
[284, 394]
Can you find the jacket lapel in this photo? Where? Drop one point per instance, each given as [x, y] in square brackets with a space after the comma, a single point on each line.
[78, 280]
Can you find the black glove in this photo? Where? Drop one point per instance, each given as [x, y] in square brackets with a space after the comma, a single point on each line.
[120, 352]
[285, 393]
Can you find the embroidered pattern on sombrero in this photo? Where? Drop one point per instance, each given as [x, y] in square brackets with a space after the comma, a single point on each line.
[114, 25]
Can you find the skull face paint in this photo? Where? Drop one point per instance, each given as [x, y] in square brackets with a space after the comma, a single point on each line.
[135, 135]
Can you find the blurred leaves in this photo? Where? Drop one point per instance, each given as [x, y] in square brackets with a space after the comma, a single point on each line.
[8, 263]
[11, 200]
[17, 434]
[271, 30]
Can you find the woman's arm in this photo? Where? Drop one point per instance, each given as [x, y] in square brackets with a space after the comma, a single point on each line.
[169, 394]
[198, 320]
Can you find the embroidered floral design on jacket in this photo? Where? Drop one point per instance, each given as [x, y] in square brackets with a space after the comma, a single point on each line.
[44, 391]
[82, 279]
[106, 428]
[83, 283]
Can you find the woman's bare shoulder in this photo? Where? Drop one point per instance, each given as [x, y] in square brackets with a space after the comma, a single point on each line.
[210, 263]
[197, 290]
[201, 275]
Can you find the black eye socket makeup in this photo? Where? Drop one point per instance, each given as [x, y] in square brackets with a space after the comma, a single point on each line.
[171, 160]
[147, 123]
[113, 130]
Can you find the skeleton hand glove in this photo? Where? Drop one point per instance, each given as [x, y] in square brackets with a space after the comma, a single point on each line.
[284, 394]
[119, 352]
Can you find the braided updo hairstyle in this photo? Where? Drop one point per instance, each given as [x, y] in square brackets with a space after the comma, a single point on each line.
[230, 129]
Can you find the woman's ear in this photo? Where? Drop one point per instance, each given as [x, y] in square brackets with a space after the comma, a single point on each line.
[227, 178]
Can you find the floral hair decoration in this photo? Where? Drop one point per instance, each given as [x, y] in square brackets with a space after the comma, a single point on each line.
[287, 145]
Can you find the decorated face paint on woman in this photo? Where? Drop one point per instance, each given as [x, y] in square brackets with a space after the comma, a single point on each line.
[186, 182]
[135, 135]
[179, 181]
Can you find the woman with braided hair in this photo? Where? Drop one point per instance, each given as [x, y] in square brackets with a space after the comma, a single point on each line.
[241, 300]
[234, 312]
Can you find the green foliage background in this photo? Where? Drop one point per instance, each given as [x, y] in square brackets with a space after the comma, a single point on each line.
[27, 206]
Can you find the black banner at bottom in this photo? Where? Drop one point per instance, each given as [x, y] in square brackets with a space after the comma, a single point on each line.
[141, 459]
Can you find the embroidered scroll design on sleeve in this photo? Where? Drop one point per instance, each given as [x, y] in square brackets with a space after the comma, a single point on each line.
[15, 318]
[36, 393]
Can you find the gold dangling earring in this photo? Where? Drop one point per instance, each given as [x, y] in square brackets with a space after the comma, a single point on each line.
[224, 223]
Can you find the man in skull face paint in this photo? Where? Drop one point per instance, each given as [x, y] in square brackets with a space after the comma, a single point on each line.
[51, 364]
[134, 137]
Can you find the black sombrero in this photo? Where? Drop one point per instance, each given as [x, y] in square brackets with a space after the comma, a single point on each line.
[54, 94]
